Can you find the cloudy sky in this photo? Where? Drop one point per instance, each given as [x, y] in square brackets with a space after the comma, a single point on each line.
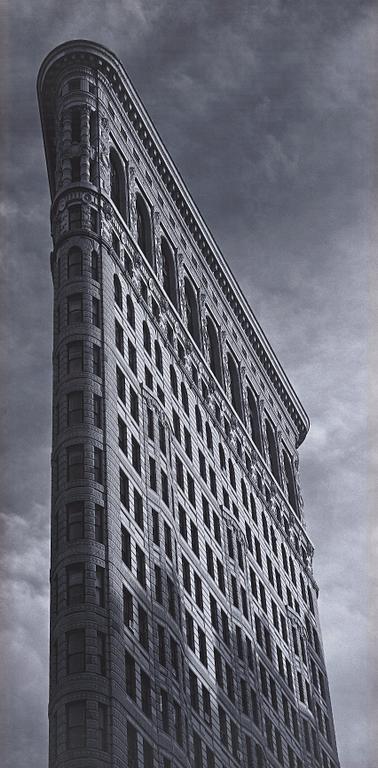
[266, 107]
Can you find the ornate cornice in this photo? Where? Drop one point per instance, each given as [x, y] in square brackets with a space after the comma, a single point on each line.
[96, 57]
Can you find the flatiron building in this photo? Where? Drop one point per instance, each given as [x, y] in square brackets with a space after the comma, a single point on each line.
[184, 621]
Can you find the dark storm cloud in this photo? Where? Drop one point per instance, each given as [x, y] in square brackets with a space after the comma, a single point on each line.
[266, 109]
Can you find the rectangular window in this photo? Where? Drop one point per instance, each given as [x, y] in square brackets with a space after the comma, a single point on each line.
[75, 645]
[96, 360]
[132, 746]
[101, 653]
[202, 646]
[164, 709]
[141, 566]
[122, 435]
[138, 509]
[98, 465]
[132, 357]
[99, 524]
[75, 579]
[134, 405]
[121, 389]
[102, 727]
[97, 411]
[76, 724]
[143, 627]
[74, 308]
[191, 489]
[75, 357]
[100, 586]
[128, 609]
[75, 520]
[168, 540]
[126, 546]
[155, 527]
[74, 217]
[198, 591]
[189, 630]
[75, 462]
[148, 754]
[124, 489]
[130, 677]
[145, 684]
[135, 454]
[161, 645]
[118, 336]
[96, 311]
[194, 538]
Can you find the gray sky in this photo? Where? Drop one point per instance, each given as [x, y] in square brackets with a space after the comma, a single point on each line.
[266, 108]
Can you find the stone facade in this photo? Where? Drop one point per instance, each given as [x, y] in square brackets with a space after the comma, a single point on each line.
[184, 622]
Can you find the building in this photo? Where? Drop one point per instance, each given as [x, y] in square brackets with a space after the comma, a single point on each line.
[184, 623]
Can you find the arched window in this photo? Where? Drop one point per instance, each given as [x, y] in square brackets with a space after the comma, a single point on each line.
[130, 311]
[192, 313]
[236, 398]
[253, 418]
[117, 183]
[146, 337]
[289, 481]
[272, 450]
[117, 291]
[173, 378]
[222, 458]
[169, 271]
[231, 472]
[144, 232]
[209, 437]
[74, 262]
[158, 356]
[214, 350]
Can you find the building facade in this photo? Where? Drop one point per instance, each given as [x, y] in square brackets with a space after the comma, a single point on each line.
[184, 622]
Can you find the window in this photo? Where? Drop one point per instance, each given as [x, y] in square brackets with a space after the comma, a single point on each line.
[253, 419]
[118, 335]
[75, 580]
[140, 566]
[235, 387]
[184, 398]
[75, 462]
[74, 217]
[117, 182]
[132, 746]
[177, 718]
[143, 627]
[130, 311]
[124, 489]
[121, 390]
[202, 646]
[144, 233]
[74, 263]
[96, 311]
[98, 465]
[215, 358]
[101, 653]
[75, 645]
[75, 520]
[75, 409]
[95, 266]
[99, 524]
[189, 630]
[135, 454]
[96, 360]
[75, 357]
[134, 405]
[74, 308]
[158, 356]
[173, 379]
[76, 724]
[100, 586]
[122, 435]
[148, 754]
[102, 727]
[169, 271]
[130, 678]
[126, 546]
[128, 608]
[197, 750]
[164, 710]
[192, 313]
[168, 540]
[272, 450]
[146, 338]
[138, 508]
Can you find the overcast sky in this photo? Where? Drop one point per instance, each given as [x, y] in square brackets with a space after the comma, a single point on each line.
[266, 107]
